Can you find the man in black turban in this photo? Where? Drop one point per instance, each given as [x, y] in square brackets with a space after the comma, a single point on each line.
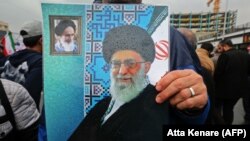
[131, 113]
[66, 31]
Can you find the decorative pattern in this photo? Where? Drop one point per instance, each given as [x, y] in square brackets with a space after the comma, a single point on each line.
[74, 84]
[101, 19]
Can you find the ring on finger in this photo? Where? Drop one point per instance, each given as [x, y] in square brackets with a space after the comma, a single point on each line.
[192, 91]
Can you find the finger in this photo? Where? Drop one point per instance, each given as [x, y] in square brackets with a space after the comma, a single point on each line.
[170, 77]
[193, 102]
[181, 96]
[177, 85]
[186, 93]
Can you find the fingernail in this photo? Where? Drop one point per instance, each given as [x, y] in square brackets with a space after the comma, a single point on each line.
[158, 99]
[158, 87]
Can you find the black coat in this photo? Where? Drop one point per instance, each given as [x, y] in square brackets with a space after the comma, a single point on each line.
[139, 120]
[231, 74]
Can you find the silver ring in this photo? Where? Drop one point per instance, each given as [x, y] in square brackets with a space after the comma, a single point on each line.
[192, 91]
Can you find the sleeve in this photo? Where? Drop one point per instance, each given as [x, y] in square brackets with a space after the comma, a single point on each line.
[193, 117]
[183, 56]
[90, 125]
[24, 109]
[34, 81]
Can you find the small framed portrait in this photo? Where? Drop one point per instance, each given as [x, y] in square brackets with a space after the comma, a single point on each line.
[65, 35]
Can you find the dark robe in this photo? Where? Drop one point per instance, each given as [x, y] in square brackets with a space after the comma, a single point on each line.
[139, 120]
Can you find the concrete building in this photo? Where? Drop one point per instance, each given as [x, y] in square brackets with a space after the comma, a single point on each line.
[205, 23]
[209, 27]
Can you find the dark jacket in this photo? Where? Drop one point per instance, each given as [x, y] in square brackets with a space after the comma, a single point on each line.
[25, 68]
[231, 74]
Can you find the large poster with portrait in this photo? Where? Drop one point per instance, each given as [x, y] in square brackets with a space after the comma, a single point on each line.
[76, 74]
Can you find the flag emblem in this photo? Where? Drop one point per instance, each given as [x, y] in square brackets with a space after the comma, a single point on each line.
[161, 50]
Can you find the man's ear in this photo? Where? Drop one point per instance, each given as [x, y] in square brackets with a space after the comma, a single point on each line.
[40, 41]
[147, 67]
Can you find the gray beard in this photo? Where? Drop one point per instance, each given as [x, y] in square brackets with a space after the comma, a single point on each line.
[126, 92]
[67, 46]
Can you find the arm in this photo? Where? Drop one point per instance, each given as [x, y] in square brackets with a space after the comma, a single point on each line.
[24, 110]
[34, 81]
[174, 86]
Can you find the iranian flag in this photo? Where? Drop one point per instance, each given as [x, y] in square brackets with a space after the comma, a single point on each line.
[8, 44]
[159, 30]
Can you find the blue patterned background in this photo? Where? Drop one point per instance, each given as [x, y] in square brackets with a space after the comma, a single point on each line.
[101, 18]
[63, 79]
[74, 84]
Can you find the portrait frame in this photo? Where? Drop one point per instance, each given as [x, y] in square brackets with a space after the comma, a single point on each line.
[54, 20]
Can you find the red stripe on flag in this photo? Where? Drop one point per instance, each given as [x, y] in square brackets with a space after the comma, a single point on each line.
[5, 52]
[161, 55]
[159, 47]
[164, 43]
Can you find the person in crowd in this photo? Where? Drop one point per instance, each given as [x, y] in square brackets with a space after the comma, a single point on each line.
[25, 66]
[184, 76]
[204, 53]
[65, 31]
[1, 51]
[2, 57]
[190, 35]
[213, 116]
[216, 53]
[246, 98]
[246, 104]
[18, 113]
[131, 112]
[230, 77]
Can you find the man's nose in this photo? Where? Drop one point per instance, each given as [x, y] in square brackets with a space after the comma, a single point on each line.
[123, 69]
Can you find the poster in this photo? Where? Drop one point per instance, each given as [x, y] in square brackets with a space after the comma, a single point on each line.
[75, 80]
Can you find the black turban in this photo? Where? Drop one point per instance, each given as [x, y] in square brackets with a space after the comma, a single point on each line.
[62, 25]
[128, 37]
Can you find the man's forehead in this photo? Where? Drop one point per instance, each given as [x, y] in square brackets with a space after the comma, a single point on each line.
[126, 54]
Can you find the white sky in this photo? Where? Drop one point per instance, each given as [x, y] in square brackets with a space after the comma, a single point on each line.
[16, 12]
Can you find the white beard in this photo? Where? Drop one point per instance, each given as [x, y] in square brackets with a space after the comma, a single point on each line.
[67, 46]
[126, 92]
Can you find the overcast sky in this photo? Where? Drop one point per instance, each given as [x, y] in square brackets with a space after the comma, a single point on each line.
[16, 12]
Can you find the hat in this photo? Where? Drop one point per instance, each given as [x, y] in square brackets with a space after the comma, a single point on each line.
[31, 29]
[62, 25]
[226, 42]
[128, 37]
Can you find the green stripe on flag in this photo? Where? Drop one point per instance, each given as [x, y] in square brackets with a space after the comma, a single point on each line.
[12, 41]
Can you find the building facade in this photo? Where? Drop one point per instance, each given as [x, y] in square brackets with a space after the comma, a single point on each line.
[205, 23]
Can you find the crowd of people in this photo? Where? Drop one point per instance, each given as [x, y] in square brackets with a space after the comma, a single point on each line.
[200, 88]
[226, 72]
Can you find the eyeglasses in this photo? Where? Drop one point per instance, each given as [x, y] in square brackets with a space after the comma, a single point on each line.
[129, 63]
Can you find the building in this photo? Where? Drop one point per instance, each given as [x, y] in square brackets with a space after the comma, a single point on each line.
[240, 35]
[204, 24]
